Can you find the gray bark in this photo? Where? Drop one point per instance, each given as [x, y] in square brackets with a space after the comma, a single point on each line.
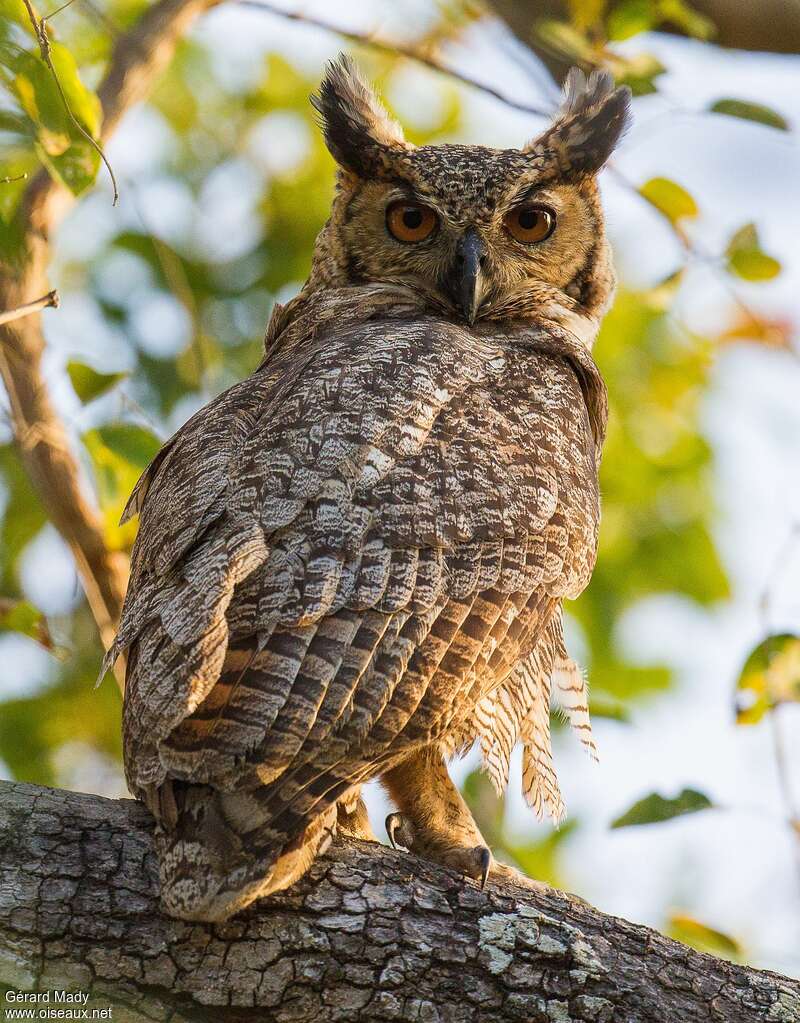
[369, 935]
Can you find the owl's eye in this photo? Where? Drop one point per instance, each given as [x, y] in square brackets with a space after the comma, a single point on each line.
[410, 222]
[530, 223]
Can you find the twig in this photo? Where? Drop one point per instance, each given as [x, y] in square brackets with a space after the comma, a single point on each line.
[50, 299]
[384, 46]
[19, 177]
[784, 781]
[791, 807]
[58, 10]
[139, 56]
[40, 28]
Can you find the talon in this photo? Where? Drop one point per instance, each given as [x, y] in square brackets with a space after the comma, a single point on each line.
[393, 824]
[486, 863]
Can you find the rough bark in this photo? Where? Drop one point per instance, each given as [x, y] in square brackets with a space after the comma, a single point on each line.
[369, 935]
[771, 26]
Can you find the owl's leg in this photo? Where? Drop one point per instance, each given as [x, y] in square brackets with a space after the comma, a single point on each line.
[433, 820]
[352, 818]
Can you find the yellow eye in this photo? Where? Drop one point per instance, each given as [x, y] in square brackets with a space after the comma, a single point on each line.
[530, 223]
[410, 222]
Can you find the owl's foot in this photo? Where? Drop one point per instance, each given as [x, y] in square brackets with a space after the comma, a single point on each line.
[473, 861]
[352, 818]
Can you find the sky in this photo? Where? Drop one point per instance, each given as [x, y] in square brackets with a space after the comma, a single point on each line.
[735, 866]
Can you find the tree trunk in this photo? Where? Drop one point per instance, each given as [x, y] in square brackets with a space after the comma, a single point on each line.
[369, 935]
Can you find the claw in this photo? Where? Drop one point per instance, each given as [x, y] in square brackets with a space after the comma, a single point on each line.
[486, 863]
[393, 823]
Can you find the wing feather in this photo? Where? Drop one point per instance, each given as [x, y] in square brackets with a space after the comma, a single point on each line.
[316, 548]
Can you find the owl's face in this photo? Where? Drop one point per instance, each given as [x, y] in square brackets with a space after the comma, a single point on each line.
[484, 233]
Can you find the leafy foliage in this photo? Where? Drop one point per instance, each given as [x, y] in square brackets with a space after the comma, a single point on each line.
[746, 259]
[38, 111]
[88, 384]
[21, 616]
[749, 111]
[669, 198]
[697, 935]
[655, 808]
[770, 676]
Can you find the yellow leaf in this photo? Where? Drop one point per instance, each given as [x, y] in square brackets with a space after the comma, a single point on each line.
[686, 929]
[770, 676]
[669, 198]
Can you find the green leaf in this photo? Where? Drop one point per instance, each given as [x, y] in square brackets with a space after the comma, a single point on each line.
[750, 112]
[686, 929]
[23, 515]
[655, 808]
[670, 198]
[747, 260]
[119, 453]
[88, 384]
[638, 72]
[629, 18]
[563, 39]
[21, 616]
[13, 12]
[585, 13]
[684, 17]
[134, 444]
[65, 151]
[770, 676]
[541, 859]
[603, 705]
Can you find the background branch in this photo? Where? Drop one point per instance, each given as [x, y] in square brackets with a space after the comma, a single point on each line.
[45, 302]
[369, 934]
[138, 58]
[771, 26]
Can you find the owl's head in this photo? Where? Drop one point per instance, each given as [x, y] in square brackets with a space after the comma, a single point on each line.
[485, 234]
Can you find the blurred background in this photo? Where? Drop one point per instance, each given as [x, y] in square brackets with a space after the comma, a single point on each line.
[690, 822]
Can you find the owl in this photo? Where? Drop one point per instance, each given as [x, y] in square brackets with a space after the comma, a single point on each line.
[351, 565]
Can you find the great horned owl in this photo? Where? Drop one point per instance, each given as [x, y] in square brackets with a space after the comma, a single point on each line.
[351, 564]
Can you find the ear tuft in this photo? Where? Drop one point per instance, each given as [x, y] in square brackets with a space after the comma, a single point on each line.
[589, 124]
[358, 131]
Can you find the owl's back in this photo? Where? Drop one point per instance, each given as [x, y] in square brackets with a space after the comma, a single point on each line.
[342, 556]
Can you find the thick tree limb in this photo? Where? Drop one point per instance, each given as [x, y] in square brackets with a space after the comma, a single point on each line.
[138, 58]
[370, 935]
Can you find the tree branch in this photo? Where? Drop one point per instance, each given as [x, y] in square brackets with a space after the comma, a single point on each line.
[369, 935]
[138, 58]
[50, 299]
[772, 26]
[395, 49]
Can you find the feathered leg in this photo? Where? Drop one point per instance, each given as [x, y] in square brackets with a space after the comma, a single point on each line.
[352, 818]
[433, 820]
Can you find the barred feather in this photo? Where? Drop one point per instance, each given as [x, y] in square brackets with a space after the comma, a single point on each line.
[571, 691]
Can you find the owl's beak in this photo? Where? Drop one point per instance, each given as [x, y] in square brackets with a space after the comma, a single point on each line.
[466, 280]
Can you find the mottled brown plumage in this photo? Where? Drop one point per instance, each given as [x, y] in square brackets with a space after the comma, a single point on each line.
[351, 564]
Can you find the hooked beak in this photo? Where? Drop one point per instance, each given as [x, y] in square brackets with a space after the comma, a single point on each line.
[466, 279]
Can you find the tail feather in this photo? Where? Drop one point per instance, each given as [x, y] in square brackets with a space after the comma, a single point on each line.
[571, 691]
[209, 865]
